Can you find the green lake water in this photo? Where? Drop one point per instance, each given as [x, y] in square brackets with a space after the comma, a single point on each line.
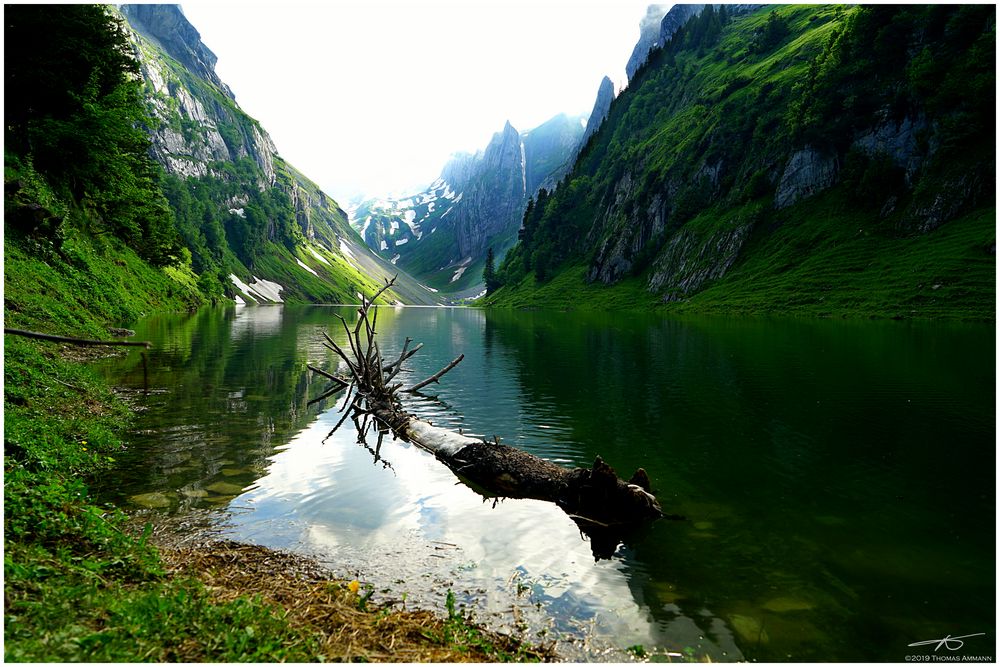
[837, 479]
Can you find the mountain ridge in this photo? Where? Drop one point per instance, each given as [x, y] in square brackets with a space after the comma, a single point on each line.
[740, 122]
[442, 234]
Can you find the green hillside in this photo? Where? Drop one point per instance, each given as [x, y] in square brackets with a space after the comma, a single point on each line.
[817, 159]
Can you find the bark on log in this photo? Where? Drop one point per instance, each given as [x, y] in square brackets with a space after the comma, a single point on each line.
[595, 493]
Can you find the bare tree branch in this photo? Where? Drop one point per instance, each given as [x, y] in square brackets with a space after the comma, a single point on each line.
[436, 376]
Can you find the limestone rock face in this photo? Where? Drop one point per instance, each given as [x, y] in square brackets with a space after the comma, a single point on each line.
[494, 204]
[649, 35]
[655, 28]
[808, 172]
[167, 27]
[189, 135]
[692, 259]
[899, 141]
[605, 96]
[477, 202]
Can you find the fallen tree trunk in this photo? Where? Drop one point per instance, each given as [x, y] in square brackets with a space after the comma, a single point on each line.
[595, 493]
[596, 498]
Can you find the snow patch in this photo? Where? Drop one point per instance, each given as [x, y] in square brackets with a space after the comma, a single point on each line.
[345, 250]
[459, 197]
[446, 212]
[240, 285]
[364, 228]
[480, 295]
[382, 245]
[238, 211]
[458, 274]
[305, 266]
[393, 226]
[429, 289]
[430, 207]
[395, 259]
[267, 289]
[319, 256]
[239, 301]
[258, 289]
[402, 241]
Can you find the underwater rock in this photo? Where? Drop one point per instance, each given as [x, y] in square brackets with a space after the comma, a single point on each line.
[152, 500]
[749, 629]
[785, 604]
[225, 488]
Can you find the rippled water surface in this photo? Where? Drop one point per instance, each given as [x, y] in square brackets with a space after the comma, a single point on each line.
[837, 479]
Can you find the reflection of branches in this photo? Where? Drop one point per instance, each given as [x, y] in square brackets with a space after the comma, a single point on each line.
[369, 423]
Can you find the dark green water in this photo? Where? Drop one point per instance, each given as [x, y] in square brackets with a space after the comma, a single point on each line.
[838, 479]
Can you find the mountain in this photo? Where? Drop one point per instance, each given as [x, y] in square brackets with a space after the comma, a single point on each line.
[257, 229]
[442, 234]
[824, 159]
[602, 105]
[658, 26]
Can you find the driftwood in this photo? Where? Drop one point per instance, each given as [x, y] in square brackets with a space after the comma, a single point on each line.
[87, 342]
[74, 341]
[602, 504]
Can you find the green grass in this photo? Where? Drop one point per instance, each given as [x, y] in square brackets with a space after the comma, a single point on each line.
[827, 260]
[824, 259]
[569, 291]
[729, 102]
[336, 282]
[87, 287]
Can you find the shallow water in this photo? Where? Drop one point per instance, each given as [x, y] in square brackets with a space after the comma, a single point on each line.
[837, 478]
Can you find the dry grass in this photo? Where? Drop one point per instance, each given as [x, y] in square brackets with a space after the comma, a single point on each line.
[328, 609]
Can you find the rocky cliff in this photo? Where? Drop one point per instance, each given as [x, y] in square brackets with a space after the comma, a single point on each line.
[442, 234]
[656, 27]
[605, 96]
[649, 35]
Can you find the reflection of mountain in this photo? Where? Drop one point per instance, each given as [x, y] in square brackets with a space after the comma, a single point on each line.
[228, 386]
[267, 321]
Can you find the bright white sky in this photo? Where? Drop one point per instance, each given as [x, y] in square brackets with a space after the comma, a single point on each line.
[374, 97]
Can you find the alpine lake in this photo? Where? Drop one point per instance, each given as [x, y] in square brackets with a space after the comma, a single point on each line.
[836, 478]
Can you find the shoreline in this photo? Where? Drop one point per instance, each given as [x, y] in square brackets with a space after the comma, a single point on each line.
[82, 584]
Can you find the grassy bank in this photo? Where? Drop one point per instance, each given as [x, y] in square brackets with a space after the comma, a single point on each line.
[817, 259]
[80, 585]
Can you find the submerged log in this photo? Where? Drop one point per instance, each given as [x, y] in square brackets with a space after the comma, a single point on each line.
[599, 501]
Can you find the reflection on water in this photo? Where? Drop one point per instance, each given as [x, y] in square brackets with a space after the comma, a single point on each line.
[837, 477]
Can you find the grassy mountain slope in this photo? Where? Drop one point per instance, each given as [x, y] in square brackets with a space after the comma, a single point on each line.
[815, 159]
